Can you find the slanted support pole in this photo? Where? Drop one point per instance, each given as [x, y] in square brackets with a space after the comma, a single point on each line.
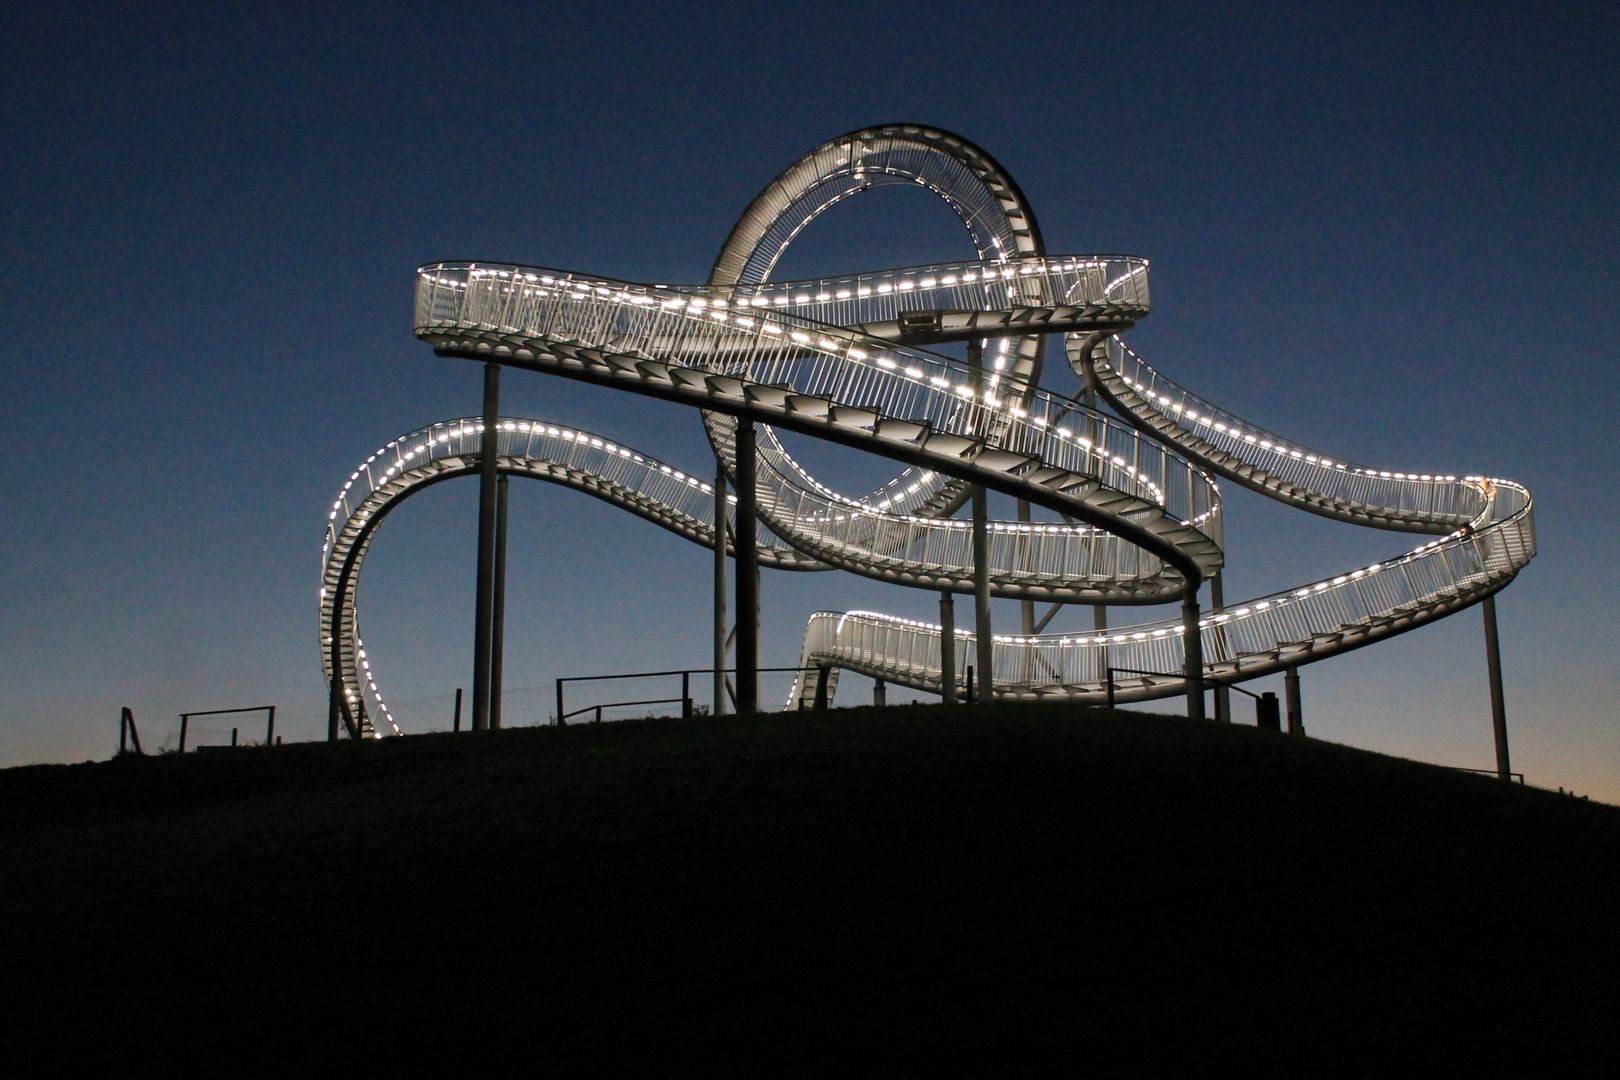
[498, 631]
[947, 648]
[1296, 712]
[1192, 643]
[1493, 662]
[1223, 696]
[747, 556]
[484, 608]
[721, 637]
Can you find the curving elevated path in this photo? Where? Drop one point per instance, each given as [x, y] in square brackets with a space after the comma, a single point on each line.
[843, 359]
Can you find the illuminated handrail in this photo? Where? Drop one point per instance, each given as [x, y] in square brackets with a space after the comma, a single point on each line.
[838, 358]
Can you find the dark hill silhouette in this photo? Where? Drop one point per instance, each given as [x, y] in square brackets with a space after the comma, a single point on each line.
[861, 892]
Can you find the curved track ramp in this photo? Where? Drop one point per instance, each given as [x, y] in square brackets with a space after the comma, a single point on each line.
[842, 359]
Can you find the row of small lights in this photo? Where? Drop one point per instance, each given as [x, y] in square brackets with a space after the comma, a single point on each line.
[833, 347]
[462, 432]
[1279, 448]
[1213, 620]
[826, 344]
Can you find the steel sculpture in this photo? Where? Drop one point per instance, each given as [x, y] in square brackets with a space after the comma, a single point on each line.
[843, 359]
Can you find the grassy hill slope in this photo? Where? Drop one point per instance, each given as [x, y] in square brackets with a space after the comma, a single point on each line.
[864, 891]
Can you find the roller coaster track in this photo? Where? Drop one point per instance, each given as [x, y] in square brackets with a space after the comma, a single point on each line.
[842, 360]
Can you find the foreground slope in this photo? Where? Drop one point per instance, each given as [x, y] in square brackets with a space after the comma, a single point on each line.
[856, 890]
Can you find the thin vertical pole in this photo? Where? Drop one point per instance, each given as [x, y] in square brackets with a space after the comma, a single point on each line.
[1296, 714]
[880, 693]
[1192, 644]
[981, 545]
[334, 702]
[1223, 696]
[720, 630]
[123, 732]
[560, 721]
[747, 556]
[483, 610]
[981, 592]
[185, 722]
[1099, 614]
[456, 724]
[947, 648]
[497, 643]
[270, 728]
[1493, 662]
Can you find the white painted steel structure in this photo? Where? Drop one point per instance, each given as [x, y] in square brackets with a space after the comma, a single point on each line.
[841, 359]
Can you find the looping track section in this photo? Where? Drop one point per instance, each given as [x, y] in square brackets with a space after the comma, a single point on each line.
[847, 360]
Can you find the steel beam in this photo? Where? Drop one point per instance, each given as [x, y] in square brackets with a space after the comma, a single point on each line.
[497, 645]
[984, 641]
[1223, 696]
[1493, 664]
[1296, 712]
[747, 555]
[483, 613]
[721, 637]
[1192, 643]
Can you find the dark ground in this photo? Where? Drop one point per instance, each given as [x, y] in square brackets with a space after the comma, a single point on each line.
[861, 892]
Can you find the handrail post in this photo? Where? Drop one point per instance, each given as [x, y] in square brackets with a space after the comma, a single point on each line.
[483, 615]
[1493, 664]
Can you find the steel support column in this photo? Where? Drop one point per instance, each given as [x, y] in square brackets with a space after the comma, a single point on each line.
[747, 556]
[1493, 662]
[981, 595]
[720, 613]
[483, 614]
[1192, 644]
[1296, 712]
[947, 648]
[1223, 696]
[497, 642]
[983, 639]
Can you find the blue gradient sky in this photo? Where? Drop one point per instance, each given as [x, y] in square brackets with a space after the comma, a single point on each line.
[1388, 232]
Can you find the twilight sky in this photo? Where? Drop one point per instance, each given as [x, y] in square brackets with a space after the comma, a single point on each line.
[1388, 232]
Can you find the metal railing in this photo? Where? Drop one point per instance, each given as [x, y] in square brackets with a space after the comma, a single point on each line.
[831, 358]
